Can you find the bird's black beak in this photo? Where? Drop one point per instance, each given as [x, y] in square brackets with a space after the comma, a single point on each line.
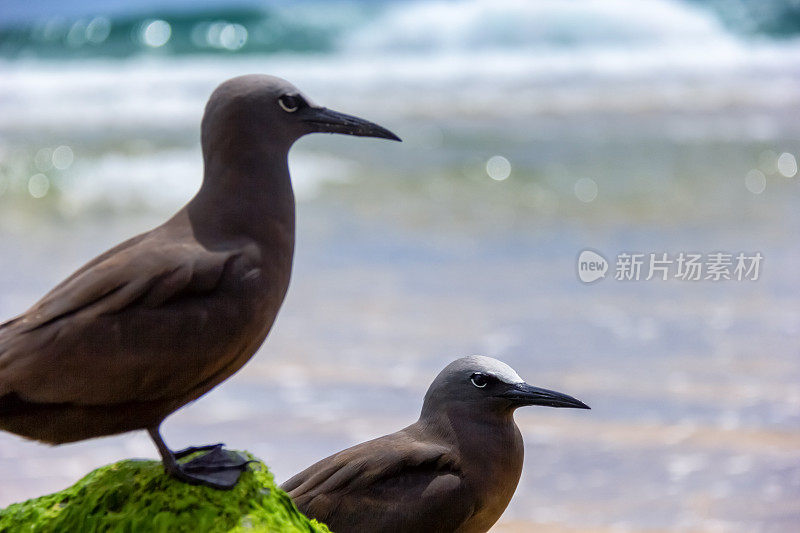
[324, 120]
[522, 394]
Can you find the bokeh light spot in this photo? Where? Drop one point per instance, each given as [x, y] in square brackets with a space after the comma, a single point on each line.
[77, 34]
[233, 36]
[220, 34]
[157, 33]
[38, 185]
[586, 190]
[498, 168]
[787, 165]
[755, 181]
[98, 30]
[43, 160]
[62, 157]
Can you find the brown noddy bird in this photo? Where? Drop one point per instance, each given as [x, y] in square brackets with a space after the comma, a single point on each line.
[454, 470]
[164, 317]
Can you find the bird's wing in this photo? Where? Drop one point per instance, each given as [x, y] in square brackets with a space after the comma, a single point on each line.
[88, 328]
[394, 483]
[112, 281]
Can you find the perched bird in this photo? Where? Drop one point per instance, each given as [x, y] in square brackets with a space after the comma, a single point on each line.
[455, 469]
[164, 317]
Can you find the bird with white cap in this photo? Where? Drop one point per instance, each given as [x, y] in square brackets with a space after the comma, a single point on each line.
[453, 470]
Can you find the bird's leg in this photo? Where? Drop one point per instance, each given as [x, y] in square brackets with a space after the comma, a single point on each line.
[171, 466]
[218, 468]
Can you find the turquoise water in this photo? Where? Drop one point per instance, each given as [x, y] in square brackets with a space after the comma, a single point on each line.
[120, 29]
[618, 91]
[650, 126]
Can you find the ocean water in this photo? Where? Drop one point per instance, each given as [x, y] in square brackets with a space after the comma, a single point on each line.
[532, 130]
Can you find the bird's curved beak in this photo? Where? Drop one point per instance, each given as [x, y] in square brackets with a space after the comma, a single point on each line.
[324, 120]
[522, 394]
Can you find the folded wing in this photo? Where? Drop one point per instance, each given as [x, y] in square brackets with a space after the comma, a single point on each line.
[394, 483]
[108, 333]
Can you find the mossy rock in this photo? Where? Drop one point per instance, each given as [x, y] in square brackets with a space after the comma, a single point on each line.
[135, 495]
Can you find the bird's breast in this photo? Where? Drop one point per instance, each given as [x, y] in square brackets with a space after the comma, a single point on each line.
[493, 470]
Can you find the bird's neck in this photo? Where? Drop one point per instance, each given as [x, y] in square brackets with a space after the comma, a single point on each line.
[472, 433]
[246, 194]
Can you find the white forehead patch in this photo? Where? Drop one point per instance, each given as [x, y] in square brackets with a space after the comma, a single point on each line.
[496, 368]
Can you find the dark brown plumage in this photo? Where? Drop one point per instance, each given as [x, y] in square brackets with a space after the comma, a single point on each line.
[164, 317]
[454, 470]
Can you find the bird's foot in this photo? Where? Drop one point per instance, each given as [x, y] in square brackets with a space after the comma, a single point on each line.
[219, 468]
[180, 454]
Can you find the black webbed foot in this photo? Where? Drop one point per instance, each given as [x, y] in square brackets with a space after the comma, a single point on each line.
[180, 454]
[218, 468]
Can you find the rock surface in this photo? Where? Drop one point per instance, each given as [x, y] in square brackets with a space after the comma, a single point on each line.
[136, 495]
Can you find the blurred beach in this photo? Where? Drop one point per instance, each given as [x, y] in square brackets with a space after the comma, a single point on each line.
[532, 130]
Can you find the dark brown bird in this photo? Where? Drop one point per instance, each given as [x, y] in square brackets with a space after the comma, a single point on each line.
[164, 317]
[455, 469]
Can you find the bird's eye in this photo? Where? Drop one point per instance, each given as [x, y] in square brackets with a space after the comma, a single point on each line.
[479, 380]
[289, 103]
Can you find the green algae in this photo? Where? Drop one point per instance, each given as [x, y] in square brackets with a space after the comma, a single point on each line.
[135, 495]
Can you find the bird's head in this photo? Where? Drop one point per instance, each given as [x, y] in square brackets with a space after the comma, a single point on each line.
[269, 111]
[481, 384]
